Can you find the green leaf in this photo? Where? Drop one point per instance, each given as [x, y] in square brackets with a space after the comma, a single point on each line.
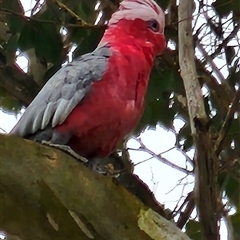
[15, 21]
[163, 3]
[234, 75]
[223, 8]
[44, 38]
[3, 92]
[85, 9]
[230, 54]
[236, 10]
[171, 33]
[231, 186]
[51, 71]
[158, 109]
[164, 113]
[27, 37]
[206, 100]
[235, 220]
[11, 45]
[193, 230]
[48, 42]
[156, 112]
[10, 104]
[163, 82]
[90, 40]
[235, 128]
[13, 5]
[185, 136]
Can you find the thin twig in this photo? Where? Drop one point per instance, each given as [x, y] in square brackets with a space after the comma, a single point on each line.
[224, 43]
[70, 12]
[191, 17]
[230, 161]
[35, 7]
[186, 200]
[227, 123]
[189, 160]
[158, 157]
[178, 184]
[184, 216]
[79, 25]
[3, 130]
[211, 62]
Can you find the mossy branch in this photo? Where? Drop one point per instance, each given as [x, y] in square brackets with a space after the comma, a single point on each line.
[46, 194]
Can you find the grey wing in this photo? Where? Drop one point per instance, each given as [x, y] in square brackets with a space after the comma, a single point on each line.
[63, 92]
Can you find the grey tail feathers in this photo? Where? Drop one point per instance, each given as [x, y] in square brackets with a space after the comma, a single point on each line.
[50, 135]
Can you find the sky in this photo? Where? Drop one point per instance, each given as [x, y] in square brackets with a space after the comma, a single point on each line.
[169, 185]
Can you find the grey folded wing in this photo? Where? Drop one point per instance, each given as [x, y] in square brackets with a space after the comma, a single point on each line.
[64, 90]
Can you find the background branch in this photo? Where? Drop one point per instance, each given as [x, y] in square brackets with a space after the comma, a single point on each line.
[80, 23]
[227, 122]
[18, 84]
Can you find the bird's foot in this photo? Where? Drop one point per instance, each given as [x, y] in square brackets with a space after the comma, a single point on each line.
[110, 166]
[66, 149]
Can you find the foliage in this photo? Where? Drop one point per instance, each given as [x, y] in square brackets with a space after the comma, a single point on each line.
[54, 27]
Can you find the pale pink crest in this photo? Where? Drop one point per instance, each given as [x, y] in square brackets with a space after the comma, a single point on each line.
[139, 9]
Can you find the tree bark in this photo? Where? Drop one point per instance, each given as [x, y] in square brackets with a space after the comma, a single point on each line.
[206, 161]
[46, 194]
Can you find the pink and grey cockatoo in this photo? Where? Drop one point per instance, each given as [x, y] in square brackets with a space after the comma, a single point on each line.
[97, 99]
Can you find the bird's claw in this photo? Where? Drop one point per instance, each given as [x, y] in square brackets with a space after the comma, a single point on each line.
[66, 149]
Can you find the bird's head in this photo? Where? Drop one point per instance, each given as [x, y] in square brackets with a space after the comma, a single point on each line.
[141, 20]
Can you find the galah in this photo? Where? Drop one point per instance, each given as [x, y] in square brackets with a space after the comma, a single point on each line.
[93, 102]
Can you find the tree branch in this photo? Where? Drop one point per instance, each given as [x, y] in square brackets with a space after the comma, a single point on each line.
[158, 157]
[185, 215]
[18, 84]
[46, 194]
[80, 24]
[187, 66]
[205, 157]
[70, 12]
[220, 93]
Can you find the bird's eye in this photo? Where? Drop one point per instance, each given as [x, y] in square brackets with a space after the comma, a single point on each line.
[154, 25]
